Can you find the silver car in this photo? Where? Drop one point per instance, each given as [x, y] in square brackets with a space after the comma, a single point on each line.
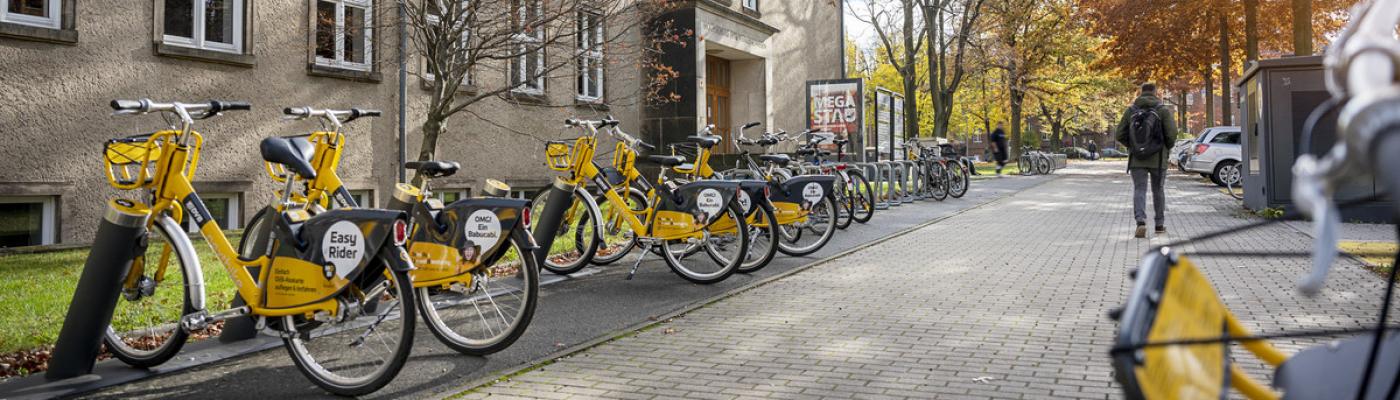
[1216, 155]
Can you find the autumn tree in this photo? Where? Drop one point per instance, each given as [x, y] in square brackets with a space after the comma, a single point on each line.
[951, 28]
[901, 37]
[1024, 35]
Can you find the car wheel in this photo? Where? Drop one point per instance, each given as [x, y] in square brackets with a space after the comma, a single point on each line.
[1227, 172]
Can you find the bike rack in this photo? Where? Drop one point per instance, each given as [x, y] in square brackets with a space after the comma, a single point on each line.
[891, 180]
[120, 236]
[910, 181]
[872, 177]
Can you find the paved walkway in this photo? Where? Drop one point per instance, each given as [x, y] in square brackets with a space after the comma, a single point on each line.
[1003, 301]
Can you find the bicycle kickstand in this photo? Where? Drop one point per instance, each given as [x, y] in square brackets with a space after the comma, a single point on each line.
[646, 249]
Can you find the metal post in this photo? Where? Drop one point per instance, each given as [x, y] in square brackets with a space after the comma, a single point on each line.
[561, 196]
[119, 238]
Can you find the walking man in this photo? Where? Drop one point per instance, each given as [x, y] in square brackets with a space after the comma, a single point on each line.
[1146, 129]
[998, 139]
[1093, 148]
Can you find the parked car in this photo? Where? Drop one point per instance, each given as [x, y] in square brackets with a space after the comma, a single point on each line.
[1079, 153]
[1180, 151]
[1216, 155]
[1111, 152]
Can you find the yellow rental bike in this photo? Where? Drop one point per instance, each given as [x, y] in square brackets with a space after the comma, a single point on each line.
[475, 290]
[334, 287]
[805, 206]
[680, 220]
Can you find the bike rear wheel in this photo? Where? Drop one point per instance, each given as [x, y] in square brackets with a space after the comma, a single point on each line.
[490, 315]
[844, 202]
[145, 330]
[938, 180]
[351, 356]
[800, 239]
[958, 180]
[1042, 165]
[733, 245]
[763, 240]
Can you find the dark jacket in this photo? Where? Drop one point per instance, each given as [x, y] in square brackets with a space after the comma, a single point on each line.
[998, 139]
[1156, 160]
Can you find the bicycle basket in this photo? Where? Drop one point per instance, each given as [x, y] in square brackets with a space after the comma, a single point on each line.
[131, 161]
[623, 157]
[558, 155]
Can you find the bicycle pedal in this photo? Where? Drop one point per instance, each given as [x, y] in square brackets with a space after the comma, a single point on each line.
[195, 321]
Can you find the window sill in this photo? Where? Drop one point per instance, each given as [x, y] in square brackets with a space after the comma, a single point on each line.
[751, 12]
[314, 69]
[598, 104]
[526, 98]
[427, 84]
[34, 33]
[190, 53]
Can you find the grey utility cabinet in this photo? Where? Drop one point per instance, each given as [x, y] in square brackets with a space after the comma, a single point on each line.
[1278, 95]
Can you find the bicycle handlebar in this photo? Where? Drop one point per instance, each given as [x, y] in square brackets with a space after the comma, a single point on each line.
[204, 110]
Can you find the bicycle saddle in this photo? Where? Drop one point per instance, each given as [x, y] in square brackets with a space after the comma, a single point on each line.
[705, 141]
[290, 154]
[1334, 370]
[666, 161]
[841, 142]
[434, 169]
[780, 159]
[806, 152]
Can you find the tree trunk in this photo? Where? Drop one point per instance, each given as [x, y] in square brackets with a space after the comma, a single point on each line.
[1183, 124]
[1210, 97]
[1251, 30]
[933, 22]
[1018, 96]
[432, 128]
[1225, 71]
[911, 103]
[1302, 28]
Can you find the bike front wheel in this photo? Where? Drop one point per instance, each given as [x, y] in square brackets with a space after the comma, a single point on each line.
[1042, 165]
[490, 314]
[618, 236]
[958, 180]
[862, 198]
[938, 181]
[576, 239]
[145, 330]
[763, 239]
[364, 347]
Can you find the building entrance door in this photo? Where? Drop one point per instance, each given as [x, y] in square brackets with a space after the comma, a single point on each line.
[717, 110]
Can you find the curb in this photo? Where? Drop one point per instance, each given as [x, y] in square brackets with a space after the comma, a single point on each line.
[686, 309]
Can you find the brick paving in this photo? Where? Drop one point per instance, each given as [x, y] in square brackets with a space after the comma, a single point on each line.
[1003, 301]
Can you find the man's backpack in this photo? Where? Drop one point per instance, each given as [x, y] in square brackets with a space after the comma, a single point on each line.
[1145, 132]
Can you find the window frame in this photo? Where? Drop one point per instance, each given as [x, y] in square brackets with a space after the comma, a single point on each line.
[235, 212]
[469, 80]
[593, 36]
[53, 21]
[48, 215]
[751, 5]
[461, 193]
[519, 65]
[366, 194]
[339, 61]
[198, 31]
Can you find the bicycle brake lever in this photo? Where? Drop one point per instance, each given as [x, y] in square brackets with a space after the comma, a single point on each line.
[1311, 195]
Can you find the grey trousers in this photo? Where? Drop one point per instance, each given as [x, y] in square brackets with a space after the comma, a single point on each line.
[1159, 194]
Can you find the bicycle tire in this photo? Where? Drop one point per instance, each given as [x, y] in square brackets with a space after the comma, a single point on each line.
[726, 269]
[766, 228]
[863, 201]
[1042, 166]
[599, 258]
[586, 244]
[439, 326]
[959, 187]
[938, 180]
[787, 239]
[844, 202]
[322, 376]
[126, 352]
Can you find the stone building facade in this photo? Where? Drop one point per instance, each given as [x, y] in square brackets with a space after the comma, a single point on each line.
[64, 60]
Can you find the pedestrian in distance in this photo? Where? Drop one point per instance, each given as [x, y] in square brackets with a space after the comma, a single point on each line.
[1146, 128]
[1093, 148]
[999, 149]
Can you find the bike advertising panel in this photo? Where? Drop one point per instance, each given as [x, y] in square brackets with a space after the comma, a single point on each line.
[882, 120]
[835, 106]
[897, 125]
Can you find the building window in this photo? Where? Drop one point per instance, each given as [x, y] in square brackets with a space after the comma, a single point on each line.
[449, 196]
[590, 56]
[223, 210]
[751, 5]
[35, 13]
[461, 46]
[344, 34]
[363, 198]
[527, 67]
[204, 24]
[27, 221]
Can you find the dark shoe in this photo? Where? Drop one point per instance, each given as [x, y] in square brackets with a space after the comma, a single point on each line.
[1160, 229]
[1141, 231]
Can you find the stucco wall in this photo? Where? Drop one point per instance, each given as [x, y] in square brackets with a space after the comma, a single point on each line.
[807, 47]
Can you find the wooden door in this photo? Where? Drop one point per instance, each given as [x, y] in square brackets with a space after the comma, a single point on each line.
[717, 99]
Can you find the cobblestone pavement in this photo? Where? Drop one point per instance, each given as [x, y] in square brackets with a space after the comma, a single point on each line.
[1003, 301]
